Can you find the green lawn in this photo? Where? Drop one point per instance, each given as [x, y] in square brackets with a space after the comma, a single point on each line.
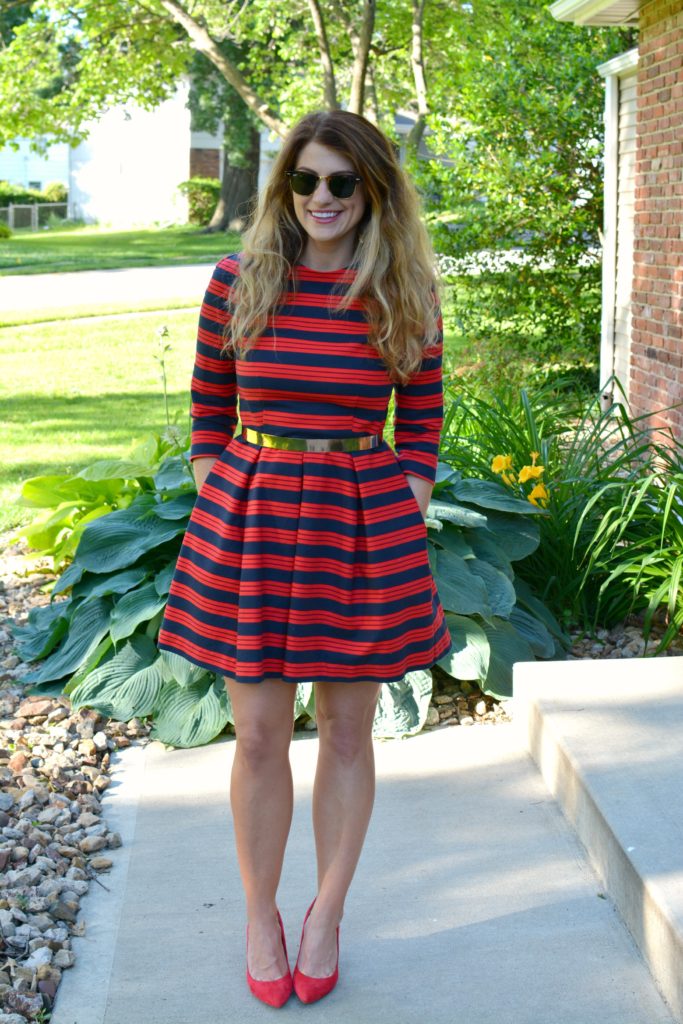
[73, 392]
[94, 248]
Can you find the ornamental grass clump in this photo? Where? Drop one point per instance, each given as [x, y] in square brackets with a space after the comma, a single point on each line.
[610, 542]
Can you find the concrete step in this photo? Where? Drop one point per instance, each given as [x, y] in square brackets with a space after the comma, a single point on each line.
[608, 739]
[473, 901]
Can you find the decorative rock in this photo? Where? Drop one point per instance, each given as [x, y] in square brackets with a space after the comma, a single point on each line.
[432, 716]
[101, 863]
[64, 958]
[34, 706]
[100, 740]
[27, 1003]
[92, 843]
[87, 818]
[18, 761]
[63, 911]
[114, 840]
[39, 958]
[11, 1018]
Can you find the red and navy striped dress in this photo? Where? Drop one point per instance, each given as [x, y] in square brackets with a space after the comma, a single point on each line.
[306, 566]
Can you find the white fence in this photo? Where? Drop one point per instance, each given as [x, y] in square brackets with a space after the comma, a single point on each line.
[31, 215]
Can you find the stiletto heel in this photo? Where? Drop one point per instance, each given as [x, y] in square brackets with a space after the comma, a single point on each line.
[277, 992]
[309, 989]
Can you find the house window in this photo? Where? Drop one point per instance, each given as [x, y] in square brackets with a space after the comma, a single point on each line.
[35, 184]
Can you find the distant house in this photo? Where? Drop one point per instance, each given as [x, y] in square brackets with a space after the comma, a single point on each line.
[127, 171]
[642, 317]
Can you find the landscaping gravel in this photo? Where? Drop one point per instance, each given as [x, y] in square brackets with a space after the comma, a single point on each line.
[54, 768]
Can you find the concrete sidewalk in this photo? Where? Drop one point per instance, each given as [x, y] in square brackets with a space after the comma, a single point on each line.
[473, 902]
[95, 287]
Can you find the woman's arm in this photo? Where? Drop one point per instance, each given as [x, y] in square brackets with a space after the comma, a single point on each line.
[418, 418]
[422, 490]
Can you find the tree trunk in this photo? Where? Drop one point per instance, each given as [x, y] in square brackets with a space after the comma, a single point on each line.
[238, 187]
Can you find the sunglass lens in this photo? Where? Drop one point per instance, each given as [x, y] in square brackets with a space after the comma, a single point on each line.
[342, 186]
[302, 183]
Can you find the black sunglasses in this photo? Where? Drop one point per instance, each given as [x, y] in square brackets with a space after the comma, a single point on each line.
[341, 186]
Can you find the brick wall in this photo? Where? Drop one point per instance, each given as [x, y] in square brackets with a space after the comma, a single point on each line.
[657, 343]
[205, 163]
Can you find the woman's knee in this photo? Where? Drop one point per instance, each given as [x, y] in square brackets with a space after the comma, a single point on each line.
[347, 734]
[264, 722]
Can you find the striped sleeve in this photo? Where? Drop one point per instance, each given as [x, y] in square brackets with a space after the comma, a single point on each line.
[418, 415]
[214, 384]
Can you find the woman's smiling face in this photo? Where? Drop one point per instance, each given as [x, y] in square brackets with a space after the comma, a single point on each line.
[330, 223]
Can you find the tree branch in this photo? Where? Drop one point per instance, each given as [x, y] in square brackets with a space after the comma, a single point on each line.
[360, 62]
[203, 42]
[325, 56]
[417, 64]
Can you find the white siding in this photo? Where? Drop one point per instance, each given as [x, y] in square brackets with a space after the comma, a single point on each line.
[625, 211]
[127, 171]
[24, 167]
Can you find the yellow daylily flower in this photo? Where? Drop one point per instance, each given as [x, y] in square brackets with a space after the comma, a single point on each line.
[539, 496]
[501, 463]
[534, 456]
[509, 479]
[530, 473]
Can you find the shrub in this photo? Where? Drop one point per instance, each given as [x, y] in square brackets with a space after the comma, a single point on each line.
[55, 192]
[202, 195]
[4, 230]
[18, 194]
[611, 538]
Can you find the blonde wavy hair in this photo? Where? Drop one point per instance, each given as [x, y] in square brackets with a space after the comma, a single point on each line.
[394, 265]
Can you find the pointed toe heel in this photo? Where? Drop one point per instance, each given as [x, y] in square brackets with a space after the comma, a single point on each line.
[273, 993]
[307, 988]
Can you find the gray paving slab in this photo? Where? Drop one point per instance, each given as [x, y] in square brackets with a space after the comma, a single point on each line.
[473, 900]
[608, 738]
[95, 287]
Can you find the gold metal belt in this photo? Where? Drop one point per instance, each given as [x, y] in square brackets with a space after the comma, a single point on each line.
[311, 444]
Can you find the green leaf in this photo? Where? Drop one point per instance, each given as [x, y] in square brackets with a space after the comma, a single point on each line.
[527, 599]
[119, 539]
[516, 535]
[468, 657]
[454, 540]
[188, 716]
[179, 670]
[127, 686]
[162, 580]
[486, 549]
[177, 508]
[133, 608]
[68, 578]
[89, 623]
[491, 495]
[174, 475]
[499, 588]
[118, 583]
[90, 664]
[507, 648]
[534, 632]
[304, 701]
[44, 628]
[459, 591]
[455, 514]
[402, 707]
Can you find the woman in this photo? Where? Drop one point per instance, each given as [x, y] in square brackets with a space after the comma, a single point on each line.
[305, 558]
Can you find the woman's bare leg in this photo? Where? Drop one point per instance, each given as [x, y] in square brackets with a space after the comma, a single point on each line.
[343, 795]
[261, 798]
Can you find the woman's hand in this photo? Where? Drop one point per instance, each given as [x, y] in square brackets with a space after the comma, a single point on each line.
[422, 490]
[201, 469]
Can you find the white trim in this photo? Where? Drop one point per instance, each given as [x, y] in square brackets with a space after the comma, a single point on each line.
[585, 12]
[624, 64]
[609, 241]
